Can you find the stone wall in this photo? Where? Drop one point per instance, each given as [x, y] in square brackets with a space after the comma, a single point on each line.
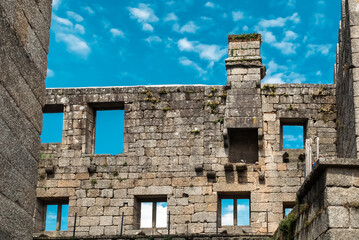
[176, 145]
[346, 78]
[24, 30]
[327, 202]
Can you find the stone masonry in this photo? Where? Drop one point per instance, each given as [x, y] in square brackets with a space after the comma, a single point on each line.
[177, 145]
[24, 41]
[328, 199]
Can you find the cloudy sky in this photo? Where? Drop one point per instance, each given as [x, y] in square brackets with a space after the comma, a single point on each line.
[117, 43]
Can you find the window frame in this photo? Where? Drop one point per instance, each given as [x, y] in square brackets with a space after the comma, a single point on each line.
[59, 203]
[154, 200]
[293, 122]
[234, 197]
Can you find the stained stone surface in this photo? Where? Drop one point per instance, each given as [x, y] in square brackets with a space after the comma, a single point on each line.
[24, 31]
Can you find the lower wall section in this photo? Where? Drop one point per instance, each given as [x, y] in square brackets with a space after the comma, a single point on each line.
[328, 205]
[192, 237]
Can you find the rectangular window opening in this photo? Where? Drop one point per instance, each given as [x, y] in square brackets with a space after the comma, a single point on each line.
[234, 210]
[56, 214]
[152, 212]
[52, 124]
[287, 208]
[293, 133]
[243, 145]
[109, 129]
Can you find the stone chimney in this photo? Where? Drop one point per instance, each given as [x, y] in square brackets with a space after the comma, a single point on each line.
[244, 74]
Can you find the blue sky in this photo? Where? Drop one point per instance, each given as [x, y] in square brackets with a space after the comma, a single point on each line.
[293, 137]
[117, 43]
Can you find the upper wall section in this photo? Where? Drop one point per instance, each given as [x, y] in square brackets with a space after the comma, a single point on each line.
[347, 80]
[24, 41]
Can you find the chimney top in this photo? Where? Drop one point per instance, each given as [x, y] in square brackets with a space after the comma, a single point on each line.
[244, 37]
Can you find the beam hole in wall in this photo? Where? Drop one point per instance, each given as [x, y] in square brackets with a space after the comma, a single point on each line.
[243, 145]
[52, 124]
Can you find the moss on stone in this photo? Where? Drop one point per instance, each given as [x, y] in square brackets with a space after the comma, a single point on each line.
[245, 37]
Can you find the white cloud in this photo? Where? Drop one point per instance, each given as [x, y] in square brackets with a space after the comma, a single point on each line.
[89, 10]
[237, 15]
[185, 45]
[227, 219]
[290, 35]
[291, 3]
[153, 39]
[146, 214]
[206, 18]
[245, 28]
[275, 79]
[147, 27]
[211, 52]
[285, 78]
[56, 4]
[286, 48]
[318, 73]
[62, 21]
[170, 17]
[74, 16]
[143, 13]
[161, 215]
[50, 73]
[292, 138]
[79, 28]
[277, 74]
[319, 19]
[268, 37]
[186, 62]
[279, 22]
[117, 33]
[74, 44]
[189, 27]
[318, 49]
[210, 5]
[205, 51]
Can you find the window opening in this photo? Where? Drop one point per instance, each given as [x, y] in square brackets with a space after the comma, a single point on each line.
[287, 208]
[56, 217]
[109, 133]
[152, 213]
[243, 145]
[52, 124]
[293, 136]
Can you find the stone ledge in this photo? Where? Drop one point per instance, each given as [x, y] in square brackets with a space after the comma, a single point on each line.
[320, 167]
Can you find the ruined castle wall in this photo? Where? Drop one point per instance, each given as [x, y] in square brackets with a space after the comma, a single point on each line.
[346, 78]
[327, 202]
[24, 31]
[174, 147]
